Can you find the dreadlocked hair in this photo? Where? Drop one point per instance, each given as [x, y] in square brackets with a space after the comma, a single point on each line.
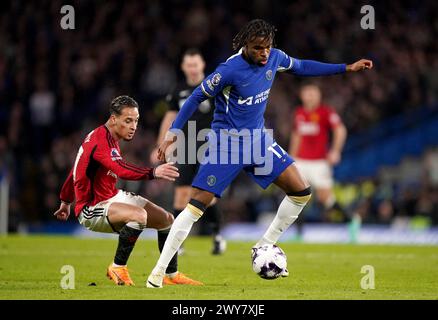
[253, 29]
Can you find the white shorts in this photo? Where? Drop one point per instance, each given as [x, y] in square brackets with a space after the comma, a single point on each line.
[95, 218]
[318, 172]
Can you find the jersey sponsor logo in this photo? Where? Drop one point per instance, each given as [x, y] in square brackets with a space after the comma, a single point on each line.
[115, 155]
[216, 79]
[269, 75]
[247, 101]
[211, 180]
[308, 128]
[258, 98]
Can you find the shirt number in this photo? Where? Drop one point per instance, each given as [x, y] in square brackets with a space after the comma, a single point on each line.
[279, 152]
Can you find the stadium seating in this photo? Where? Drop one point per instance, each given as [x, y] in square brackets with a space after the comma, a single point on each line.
[388, 143]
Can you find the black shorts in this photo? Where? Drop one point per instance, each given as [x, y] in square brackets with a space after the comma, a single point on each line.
[186, 174]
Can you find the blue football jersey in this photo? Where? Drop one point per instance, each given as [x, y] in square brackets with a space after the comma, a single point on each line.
[241, 90]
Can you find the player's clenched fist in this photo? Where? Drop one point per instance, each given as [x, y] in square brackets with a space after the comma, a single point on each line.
[166, 171]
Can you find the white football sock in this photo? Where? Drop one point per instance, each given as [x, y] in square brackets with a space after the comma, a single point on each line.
[177, 234]
[117, 265]
[287, 213]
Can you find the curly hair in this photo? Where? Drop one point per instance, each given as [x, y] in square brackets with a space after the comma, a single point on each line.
[253, 29]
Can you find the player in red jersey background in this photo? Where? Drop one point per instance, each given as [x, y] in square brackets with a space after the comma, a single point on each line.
[101, 207]
[318, 137]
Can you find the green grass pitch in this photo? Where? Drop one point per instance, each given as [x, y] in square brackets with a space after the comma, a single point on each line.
[30, 268]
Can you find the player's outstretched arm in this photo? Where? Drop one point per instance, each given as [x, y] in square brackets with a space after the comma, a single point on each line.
[360, 65]
[313, 68]
[104, 154]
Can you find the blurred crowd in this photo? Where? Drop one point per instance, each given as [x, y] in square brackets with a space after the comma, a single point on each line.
[56, 85]
[402, 196]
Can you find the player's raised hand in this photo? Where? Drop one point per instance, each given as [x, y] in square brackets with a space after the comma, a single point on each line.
[166, 171]
[63, 212]
[360, 65]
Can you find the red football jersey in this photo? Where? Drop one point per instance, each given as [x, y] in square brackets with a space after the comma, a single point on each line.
[97, 166]
[314, 128]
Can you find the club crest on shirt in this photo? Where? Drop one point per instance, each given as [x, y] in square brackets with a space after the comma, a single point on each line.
[314, 117]
[216, 79]
[115, 155]
[269, 75]
[211, 180]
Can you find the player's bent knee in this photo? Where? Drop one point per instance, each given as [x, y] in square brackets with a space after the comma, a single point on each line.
[167, 221]
[162, 220]
[170, 218]
[139, 219]
[300, 198]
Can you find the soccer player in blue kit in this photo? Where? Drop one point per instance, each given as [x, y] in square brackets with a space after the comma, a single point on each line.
[240, 87]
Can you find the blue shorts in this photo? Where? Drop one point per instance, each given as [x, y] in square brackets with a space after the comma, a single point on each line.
[257, 154]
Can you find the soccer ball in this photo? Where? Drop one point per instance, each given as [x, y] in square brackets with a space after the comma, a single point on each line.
[269, 261]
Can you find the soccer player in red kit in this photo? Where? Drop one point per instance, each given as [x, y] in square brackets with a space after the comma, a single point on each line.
[101, 207]
[311, 148]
